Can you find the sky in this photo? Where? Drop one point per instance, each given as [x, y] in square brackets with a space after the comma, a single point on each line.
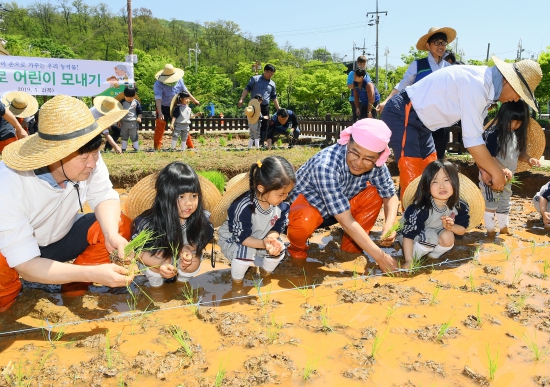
[335, 25]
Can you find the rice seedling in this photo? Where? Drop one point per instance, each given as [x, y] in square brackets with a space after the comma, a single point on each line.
[479, 319]
[310, 368]
[533, 245]
[303, 289]
[390, 312]
[135, 246]
[517, 275]
[507, 251]
[416, 264]
[443, 329]
[355, 276]
[493, 362]
[325, 320]
[280, 142]
[433, 300]
[396, 227]
[263, 297]
[202, 140]
[56, 337]
[532, 344]
[376, 345]
[521, 300]
[220, 375]
[190, 294]
[182, 339]
[108, 353]
[215, 177]
[273, 330]
[471, 281]
[545, 268]
[21, 378]
[223, 142]
[229, 136]
[476, 254]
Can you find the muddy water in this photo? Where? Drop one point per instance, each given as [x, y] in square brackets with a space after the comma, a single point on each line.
[501, 300]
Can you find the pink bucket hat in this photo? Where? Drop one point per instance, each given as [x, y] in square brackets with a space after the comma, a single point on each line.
[371, 134]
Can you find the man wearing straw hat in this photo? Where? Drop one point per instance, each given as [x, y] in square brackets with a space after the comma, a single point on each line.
[346, 183]
[169, 83]
[44, 181]
[447, 96]
[435, 42]
[15, 104]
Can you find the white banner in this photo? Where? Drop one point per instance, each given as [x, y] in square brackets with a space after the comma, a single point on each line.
[75, 77]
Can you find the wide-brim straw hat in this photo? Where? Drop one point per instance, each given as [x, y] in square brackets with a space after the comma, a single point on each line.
[21, 104]
[536, 142]
[169, 74]
[173, 103]
[105, 104]
[235, 188]
[65, 124]
[450, 32]
[253, 111]
[524, 77]
[142, 195]
[120, 97]
[469, 192]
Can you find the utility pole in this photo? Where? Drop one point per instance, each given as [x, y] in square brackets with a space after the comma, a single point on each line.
[488, 47]
[520, 50]
[386, 52]
[358, 48]
[376, 21]
[130, 35]
[197, 52]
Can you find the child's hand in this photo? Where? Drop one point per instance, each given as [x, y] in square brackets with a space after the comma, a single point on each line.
[119, 124]
[186, 257]
[273, 246]
[508, 174]
[166, 270]
[448, 222]
[139, 120]
[534, 162]
[358, 111]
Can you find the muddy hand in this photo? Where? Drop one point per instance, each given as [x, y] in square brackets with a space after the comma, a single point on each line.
[112, 275]
[186, 257]
[387, 241]
[272, 246]
[386, 262]
[166, 270]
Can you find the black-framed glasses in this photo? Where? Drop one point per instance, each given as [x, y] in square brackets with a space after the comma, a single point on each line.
[367, 162]
[440, 43]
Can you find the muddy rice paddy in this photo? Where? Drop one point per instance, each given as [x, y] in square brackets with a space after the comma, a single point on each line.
[332, 322]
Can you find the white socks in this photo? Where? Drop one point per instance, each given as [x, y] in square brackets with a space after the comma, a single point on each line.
[135, 144]
[502, 220]
[420, 250]
[173, 144]
[489, 218]
[155, 279]
[438, 251]
[256, 143]
[123, 145]
[250, 143]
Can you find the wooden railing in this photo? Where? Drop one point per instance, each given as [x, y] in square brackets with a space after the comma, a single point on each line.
[328, 128]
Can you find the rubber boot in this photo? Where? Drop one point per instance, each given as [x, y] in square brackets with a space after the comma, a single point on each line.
[365, 207]
[160, 126]
[303, 220]
[10, 284]
[95, 254]
[189, 142]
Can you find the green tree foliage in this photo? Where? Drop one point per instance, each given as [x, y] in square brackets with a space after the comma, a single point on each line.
[543, 90]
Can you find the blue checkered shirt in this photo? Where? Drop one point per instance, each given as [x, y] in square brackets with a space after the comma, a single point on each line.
[328, 185]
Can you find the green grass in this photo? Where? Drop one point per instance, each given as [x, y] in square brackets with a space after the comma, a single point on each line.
[493, 362]
[390, 312]
[479, 319]
[376, 345]
[280, 142]
[471, 281]
[202, 140]
[108, 353]
[507, 251]
[223, 142]
[182, 338]
[229, 136]
[273, 330]
[545, 268]
[217, 178]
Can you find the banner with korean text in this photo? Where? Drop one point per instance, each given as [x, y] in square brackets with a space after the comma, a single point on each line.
[75, 77]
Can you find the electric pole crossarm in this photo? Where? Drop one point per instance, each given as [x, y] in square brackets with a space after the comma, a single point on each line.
[377, 21]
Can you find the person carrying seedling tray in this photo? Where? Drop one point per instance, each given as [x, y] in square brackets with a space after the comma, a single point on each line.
[52, 174]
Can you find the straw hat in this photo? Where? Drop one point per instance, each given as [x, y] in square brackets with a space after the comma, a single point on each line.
[65, 124]
[536, 142]
[169, 74]
[469, 192]
[524, 77]
[253, 111]
[120, 97]
[450, 32]
[104, 105]
[21, 104]
[237, 186]
[142, 195]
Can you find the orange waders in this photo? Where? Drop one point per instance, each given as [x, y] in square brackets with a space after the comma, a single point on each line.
[304, 219]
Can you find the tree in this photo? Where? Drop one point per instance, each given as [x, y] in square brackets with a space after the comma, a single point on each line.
[413, 55]
[542, 92]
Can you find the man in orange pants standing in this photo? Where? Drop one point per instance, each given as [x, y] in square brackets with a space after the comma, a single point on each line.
[44, 180]
[346, 183]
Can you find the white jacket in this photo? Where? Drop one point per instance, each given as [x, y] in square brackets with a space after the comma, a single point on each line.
[33, 213]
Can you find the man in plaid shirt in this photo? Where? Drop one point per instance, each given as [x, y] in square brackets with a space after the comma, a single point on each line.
[346, 183]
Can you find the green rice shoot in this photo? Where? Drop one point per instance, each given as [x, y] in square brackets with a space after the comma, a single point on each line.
[443, 329]
[215, 177]
[182, 339]
[493, 362]
[396, 227]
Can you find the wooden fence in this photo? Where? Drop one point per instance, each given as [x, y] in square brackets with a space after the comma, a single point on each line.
[328, 128]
